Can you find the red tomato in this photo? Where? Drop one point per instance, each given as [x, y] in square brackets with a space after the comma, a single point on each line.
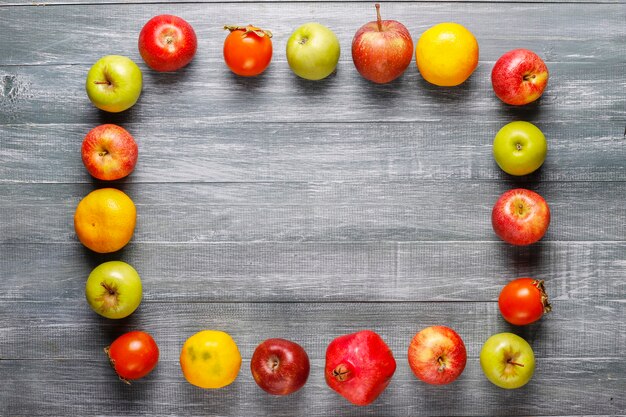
[247, 50]
[133, 355]
[523, 301]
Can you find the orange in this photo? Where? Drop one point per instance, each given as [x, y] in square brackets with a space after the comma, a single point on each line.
[105, 220]
[446, 54]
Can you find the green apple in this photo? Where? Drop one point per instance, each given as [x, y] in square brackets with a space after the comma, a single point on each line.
[507, 360]
[113, 289]
[313, 51]
[520, 148]
[114, 83]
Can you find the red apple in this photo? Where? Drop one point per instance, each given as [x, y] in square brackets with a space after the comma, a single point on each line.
[167, 43]
[279, 366]
[359, 366]
[382, 50]
[520, 217]
[519, 77]
[437, 355]
[109, 152]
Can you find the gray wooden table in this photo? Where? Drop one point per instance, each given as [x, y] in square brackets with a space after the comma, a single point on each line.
[276, 207]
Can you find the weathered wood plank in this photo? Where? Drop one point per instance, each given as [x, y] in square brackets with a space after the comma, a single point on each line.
[204, 151]
[322, 271]
[97, 30]
[179, 3]
[70, 330]
[55, 94]
[89, 388]
[344, 212]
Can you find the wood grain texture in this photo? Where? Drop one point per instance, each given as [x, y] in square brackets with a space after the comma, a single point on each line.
[206, 151]
[296, 212]
[322, 271]
[36, 97]
[539, 27]
[603, 382]
[80, 334]
[178, 3]
[276, 207]
[76, 332]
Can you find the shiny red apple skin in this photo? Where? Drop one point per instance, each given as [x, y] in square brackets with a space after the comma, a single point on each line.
[109, 152]
[437, 355]
[520, 217]
[279, 366]
[382, 50]
[359, 366]
[519, 77]
[167, 43]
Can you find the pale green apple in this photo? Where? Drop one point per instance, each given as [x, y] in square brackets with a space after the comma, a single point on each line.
[113, 289]
[520, 148]
[507, 360]
[114, 83]
[313, 51]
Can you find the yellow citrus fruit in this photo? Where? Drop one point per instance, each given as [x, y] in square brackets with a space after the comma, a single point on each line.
[446, 54]
[105, 220]
[210, 359]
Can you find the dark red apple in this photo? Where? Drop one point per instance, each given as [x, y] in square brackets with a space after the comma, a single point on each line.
[109, 152]
[520, 217]
[437, 355]
[382, 50]
[359, 366]
[167, 43]
[279, 366]
[519, 77]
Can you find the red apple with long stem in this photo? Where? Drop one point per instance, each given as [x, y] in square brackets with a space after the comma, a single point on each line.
[519, 77]
[279, 366]
[520, 217]
[109, 152]
[437, 355]
[382, 50]
[167, 43]
[359, 366]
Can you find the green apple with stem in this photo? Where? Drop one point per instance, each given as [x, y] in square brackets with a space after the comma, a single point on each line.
[520, 148]
[313, 51]
[114, 83]
[507, 360]
[113, 289]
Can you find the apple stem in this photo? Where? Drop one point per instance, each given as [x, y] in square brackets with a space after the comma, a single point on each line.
[102, 82]
[341, 373]
[274, 362]
[516, 363]
[442, 364]
[378, 18]
[109, 289]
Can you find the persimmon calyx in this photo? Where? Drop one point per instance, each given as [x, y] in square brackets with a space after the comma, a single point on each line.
[249, 29]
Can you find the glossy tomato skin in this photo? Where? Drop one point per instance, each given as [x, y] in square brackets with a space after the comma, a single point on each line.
[523, 301]
[167, 43]
[247, 50]
[133, 355]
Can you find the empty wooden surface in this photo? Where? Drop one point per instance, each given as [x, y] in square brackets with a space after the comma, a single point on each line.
[277, 207]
